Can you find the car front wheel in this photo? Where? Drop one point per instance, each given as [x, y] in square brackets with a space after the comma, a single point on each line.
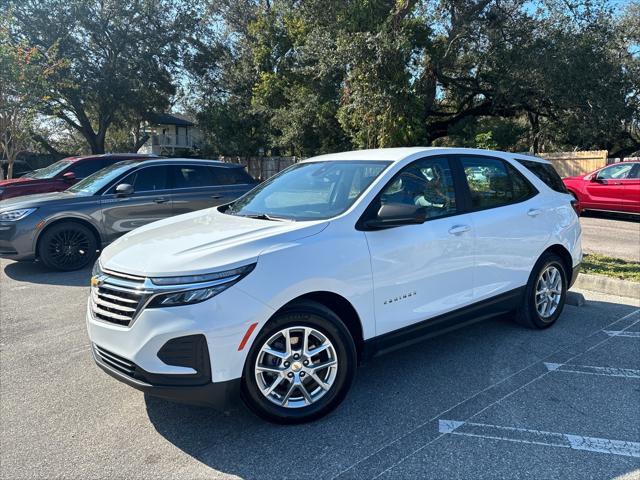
[67, 246]
[301, 365]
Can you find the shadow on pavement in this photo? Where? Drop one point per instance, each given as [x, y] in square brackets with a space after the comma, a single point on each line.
[35, 272]
[392, 395]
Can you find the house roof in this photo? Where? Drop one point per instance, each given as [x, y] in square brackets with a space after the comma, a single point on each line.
[170, 119]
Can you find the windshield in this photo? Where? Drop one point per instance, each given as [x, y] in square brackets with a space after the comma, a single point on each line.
[94, 183]
[50, 171]
[309, 191]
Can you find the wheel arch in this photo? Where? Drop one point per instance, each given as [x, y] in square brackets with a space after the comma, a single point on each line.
[58, 221]
[339, 305]
[564, 254]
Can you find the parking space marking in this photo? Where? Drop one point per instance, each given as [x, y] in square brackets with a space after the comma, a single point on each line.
[622, 333]
[540, 437]
[590, 370]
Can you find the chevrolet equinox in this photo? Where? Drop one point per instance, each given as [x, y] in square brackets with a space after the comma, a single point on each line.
[277, 296]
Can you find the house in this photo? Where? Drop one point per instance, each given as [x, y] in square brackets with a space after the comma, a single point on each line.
[170, 134]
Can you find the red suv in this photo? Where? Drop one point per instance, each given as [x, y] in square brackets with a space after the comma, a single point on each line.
[61, 175]
[614, 188]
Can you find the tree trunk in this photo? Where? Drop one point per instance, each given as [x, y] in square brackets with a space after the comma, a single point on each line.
[10, 162]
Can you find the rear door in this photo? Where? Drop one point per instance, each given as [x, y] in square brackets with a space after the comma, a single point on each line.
[204, 186]
[606, 188]
[151, 200]
[631, 195]
[511, 224]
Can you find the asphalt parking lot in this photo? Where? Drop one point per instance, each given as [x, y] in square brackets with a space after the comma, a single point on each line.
[613, 235]
[491, 401]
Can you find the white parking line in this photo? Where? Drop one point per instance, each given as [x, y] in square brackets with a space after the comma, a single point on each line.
[540, 437]
[622, 333]
[590, 370]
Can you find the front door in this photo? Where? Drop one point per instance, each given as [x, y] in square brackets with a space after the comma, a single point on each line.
[606, 188]
[151, 200]
[420, 271]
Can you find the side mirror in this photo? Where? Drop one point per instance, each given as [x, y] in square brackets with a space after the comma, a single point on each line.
[594, 179]
[124, 190]
[396, 215]
[69, 177]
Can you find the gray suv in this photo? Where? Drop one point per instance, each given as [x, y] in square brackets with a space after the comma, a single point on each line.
[65, 229]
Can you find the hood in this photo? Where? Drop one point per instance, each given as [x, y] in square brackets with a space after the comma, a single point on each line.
[22, 181]
[42, 199]
[200, 242]
[576, 178]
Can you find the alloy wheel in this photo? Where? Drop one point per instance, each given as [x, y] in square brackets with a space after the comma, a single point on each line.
[548, 291]
[69, 248]
[296, 367]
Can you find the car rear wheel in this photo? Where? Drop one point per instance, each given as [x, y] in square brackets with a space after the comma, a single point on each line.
[545, 293]
[301, 365]
[67, 246]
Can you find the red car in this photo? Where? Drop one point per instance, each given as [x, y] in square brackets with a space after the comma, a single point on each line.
[613, 188]
[61, 175]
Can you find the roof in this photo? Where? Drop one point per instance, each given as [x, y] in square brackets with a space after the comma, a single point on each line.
[169, 119]
[122, 156]
[400, 153]
[203, 161]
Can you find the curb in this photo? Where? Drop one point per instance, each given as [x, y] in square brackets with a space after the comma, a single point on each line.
[608, 285]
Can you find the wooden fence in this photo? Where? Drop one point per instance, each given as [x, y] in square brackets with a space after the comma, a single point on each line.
[569, 164]
[262, 168]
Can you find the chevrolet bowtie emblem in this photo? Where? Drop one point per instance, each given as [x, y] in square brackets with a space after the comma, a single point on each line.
[94, 281]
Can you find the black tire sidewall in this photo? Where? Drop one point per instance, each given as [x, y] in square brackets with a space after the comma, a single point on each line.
[544, 262]
[325, 321]
[49, 234]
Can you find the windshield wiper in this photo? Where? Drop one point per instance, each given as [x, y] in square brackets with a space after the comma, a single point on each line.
[264, 216]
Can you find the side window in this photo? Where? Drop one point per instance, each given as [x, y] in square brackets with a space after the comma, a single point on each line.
[615, 172]
[85, 168]
[494, 183]
[427, 183]
[546, 173]
[148, 179]
[231, 176]
[193, 176]
[635, 173]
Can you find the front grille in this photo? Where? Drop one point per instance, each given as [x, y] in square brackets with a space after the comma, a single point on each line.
[115, 361]
[117, 298]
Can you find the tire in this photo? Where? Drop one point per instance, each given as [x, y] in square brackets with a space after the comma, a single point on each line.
[67, 246]
[316, 322]
[534, 312]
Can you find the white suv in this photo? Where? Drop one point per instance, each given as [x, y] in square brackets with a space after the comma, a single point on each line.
[278, 295]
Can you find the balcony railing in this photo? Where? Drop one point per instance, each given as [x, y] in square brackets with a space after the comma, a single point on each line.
[172, 141]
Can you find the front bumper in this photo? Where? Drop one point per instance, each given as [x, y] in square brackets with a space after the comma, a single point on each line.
[17, 239]
[219, 395]
[222, 322]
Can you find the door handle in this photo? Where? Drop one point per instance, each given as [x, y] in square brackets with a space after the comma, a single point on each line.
[160, 200]
[534, 212]
[459, 229]
[215, 197]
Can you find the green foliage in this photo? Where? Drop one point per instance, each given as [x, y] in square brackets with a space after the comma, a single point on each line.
[121, 54]
[611, 267]
[321, 75]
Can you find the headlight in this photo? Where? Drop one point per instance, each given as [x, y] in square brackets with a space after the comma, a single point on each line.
[15, 215]
[203, 287]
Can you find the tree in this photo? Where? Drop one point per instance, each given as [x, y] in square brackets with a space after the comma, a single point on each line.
[318, 75]
[121, 56]
[24, 70]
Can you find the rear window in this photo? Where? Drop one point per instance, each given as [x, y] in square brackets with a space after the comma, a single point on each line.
[546, 173]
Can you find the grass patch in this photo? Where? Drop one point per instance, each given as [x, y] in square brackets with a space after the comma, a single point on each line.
[611, 267]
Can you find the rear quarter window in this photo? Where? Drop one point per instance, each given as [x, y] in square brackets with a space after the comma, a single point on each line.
[546, 173]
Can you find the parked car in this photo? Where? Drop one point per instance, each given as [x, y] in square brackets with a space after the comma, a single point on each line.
[20, 168]
[62, 174]
[64, 229]
[278, 295]
[614, 188]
